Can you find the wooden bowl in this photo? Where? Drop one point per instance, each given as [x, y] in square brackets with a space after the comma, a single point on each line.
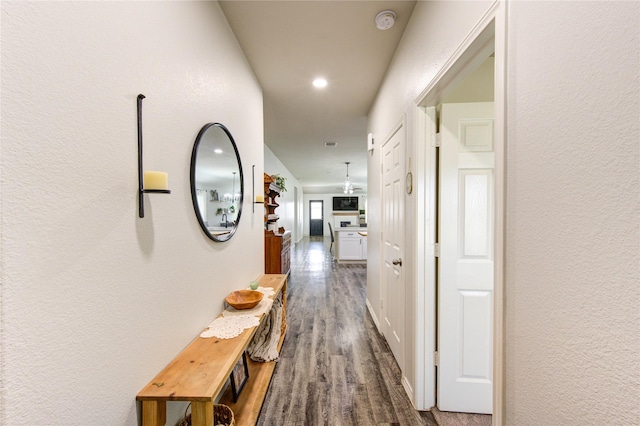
[244, 299]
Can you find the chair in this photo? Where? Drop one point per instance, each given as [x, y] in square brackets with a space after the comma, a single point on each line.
[332, 239]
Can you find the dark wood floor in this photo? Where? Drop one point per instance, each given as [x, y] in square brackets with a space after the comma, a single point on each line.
[334, 369]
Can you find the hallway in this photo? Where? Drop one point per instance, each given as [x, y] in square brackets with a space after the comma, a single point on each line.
[334, 368]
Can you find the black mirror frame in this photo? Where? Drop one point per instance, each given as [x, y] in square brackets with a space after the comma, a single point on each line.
[194, 198]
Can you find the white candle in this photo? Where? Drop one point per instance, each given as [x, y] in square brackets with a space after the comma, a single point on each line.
[156, 180]
[259, 198]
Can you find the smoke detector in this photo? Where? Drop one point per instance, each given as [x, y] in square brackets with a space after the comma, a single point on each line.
[385, 19]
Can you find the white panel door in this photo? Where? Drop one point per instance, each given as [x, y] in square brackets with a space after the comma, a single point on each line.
[465, 275]
[393, 291]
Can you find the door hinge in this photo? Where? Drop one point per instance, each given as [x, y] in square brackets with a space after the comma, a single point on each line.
[436, 249]
[438, 139]
[436, 359]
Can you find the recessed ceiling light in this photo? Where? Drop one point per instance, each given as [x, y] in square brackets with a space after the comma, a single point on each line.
[217, 151]
[320, 83]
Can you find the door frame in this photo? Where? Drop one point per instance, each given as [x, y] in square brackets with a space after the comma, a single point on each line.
[321, 220]
[489, 33]
[296, 216]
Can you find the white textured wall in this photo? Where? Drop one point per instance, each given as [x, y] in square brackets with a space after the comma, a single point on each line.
[572, 237]
[95, 301]
[433, 33]
[327, 207]
[573, 254]
[286, 201]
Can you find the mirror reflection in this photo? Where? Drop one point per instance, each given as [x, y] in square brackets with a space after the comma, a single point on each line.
[217, 184]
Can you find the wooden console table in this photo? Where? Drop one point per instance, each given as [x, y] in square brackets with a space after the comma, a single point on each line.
[199, 373]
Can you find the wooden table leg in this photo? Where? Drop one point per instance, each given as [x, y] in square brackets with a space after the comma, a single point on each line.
[202, 413]
[154, 413]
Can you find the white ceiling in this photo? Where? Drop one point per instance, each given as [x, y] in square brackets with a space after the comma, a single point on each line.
[288, 44]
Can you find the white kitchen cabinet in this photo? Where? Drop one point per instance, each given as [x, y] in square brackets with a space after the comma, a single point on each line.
[364, 248]
[351, 246]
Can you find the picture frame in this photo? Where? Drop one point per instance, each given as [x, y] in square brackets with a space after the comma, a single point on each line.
[239, 376]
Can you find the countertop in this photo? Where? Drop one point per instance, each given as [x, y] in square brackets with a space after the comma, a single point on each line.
[350, 229]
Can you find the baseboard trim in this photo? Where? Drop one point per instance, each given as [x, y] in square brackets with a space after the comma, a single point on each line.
[373, 316]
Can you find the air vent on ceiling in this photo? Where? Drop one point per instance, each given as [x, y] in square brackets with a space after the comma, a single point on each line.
[330, 144]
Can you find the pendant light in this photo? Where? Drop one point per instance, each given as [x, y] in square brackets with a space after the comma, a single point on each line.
[347, 186]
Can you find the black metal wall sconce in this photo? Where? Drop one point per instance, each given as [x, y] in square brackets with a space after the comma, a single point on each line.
[150, 182]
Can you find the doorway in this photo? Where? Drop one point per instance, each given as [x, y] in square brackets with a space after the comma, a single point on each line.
[296, 216]
[393, 281]
[485, 43]
[316, 218]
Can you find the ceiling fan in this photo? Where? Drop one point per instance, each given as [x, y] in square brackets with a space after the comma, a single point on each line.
[341, 188]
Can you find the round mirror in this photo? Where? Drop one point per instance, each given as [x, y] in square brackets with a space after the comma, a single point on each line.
[217, 183]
